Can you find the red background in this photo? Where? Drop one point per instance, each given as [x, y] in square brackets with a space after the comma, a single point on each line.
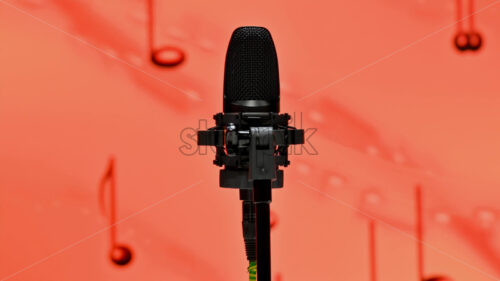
[394, 104]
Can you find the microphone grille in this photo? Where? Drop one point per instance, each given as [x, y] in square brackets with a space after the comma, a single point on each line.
[251, 70]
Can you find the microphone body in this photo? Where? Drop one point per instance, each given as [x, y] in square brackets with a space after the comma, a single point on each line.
[251, 136]
[251, 75]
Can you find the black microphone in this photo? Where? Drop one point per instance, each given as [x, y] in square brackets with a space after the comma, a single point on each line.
[251, 137]
[251, 77]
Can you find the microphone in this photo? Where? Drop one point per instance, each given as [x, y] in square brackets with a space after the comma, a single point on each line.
[251, 137]
[251, 77]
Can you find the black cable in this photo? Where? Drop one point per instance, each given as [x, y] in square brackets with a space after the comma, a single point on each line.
[262, 199]
[249, 233]
[248, 224]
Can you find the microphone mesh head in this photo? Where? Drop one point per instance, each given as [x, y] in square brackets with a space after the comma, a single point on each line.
[251, 71]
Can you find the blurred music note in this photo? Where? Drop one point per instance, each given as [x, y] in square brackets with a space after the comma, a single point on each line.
[372, 250]
[274, 219]
[471, 40]
[475, 38]
[420, 239]
[461, 39]
[167, 56]
[120, 254]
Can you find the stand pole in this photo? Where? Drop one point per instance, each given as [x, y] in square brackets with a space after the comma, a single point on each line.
[262, 199]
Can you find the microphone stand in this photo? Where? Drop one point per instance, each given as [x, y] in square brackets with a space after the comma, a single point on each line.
[251, 146]
[262, 199]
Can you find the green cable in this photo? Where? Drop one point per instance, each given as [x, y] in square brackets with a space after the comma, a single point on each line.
[252, 271]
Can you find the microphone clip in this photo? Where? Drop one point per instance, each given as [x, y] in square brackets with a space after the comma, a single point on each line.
[251, 146]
